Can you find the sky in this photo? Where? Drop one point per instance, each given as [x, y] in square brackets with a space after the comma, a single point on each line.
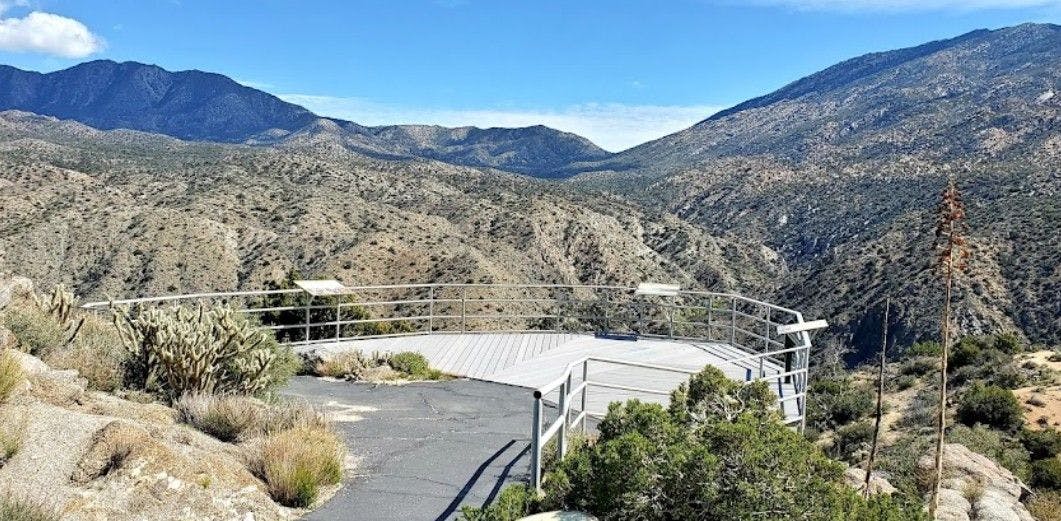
[619, 72]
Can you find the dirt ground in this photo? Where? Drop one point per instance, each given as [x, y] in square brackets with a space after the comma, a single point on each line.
[1042, 403]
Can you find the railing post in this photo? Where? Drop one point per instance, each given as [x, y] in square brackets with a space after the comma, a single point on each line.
[561, 442]
[733, 324]
[710, 306]
[338, 315]
[536, 443]
[670, 316]
[585, 389]
[464, 308]
[431, 310]
[309, 302]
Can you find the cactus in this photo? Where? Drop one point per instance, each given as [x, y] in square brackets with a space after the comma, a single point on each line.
[61, 308]
[177, 350]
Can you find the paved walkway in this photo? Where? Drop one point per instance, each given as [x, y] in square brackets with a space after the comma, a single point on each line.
[426, 448]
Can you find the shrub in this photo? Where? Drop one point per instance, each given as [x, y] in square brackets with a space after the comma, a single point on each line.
[1004, 450]
[1046, 506]
[213, 351]
[834, 402]
[718, 452]
[295, 463]
[992, 406]
[1041, 444]
[964, 353]
[923, 349]
[851, 442]
[96, 353]
[227, 418]
[410, 363]
[919, 366]
[1046, 473]
[37, 332]
[13, 508]
[513, 503]
[1008, 343]
[11, 375]
[12, 436]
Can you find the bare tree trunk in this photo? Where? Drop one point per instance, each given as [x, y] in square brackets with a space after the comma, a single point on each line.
[880, 397]
[942, 420]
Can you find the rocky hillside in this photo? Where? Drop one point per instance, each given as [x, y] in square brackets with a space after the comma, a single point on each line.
[201, 106]
[839, 172]
[127, 213]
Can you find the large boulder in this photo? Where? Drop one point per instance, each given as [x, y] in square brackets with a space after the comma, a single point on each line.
[975, 487]
[14, 287]
[856, 479]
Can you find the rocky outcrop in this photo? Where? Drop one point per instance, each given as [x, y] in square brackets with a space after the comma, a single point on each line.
[96, 456]
[14, 287]
[975, 487]
[855, 478]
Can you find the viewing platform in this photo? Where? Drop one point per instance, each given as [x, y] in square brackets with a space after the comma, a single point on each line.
[575, 348]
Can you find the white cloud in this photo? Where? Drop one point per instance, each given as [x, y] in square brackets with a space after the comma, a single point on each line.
[612, 126]
[908, 5]
[48, 34]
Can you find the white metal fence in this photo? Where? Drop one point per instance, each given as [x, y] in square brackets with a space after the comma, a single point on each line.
[748, 326]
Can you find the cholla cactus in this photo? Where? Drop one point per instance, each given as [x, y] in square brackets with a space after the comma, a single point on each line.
[208, 350]
[61, 307]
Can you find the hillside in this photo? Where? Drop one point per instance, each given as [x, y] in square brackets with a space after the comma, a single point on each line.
[840, 172]
[126, 213]
[202, 106]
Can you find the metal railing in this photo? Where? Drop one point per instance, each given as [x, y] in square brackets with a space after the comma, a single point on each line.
[743, 331]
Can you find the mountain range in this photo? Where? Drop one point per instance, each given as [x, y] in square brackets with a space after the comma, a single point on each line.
[819, 195]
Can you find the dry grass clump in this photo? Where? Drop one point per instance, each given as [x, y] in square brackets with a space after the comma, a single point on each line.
[12, 435]
[232, 418]
[349, 364]
[1046, 506]
[297, 462]
[355, 365]
[96, 353]
[13, 508]
[11, 374]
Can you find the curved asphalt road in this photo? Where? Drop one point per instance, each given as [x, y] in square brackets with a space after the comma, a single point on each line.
[426, 448]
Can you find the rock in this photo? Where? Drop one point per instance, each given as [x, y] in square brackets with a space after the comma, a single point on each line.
[560, 516]
[856, 477]
[31, 365]
[7, 339]
[975, 487]
[14, 287]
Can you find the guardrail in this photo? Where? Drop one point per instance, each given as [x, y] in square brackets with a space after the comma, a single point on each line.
[746, 327]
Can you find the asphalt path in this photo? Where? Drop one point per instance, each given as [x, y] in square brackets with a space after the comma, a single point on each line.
[423, 449]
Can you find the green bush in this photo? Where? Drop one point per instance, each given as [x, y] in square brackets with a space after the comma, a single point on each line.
[718, 452]
[964, 353]
[924, 349]
[851, 442]
[296, 463]
[1008, 343]
[992, 406]
[514, 502]
[174, 351]
[919, 366]
[37, 332]
[1041, 444]
[410, 363]
[1046, 474]
[834, 401]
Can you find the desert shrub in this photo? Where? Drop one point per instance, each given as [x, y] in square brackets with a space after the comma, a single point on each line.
[923, 349]
[919, 366]
[96, 353]
[14, 508]
[350, 364]
[1041, 444]
[902, 382]
[719, 451]
[292, 415]
[37, 332]
[1046, 505]
[921, 412]
[513, 503]
[11, 374]
[296, 463]
[1008, 343]
[1003, 449]
[227, 418]
[992, 406]
[215, 350]
[410, 363]
[834, 401]
[851, 442]
[1046, 474]
[899, 460]
[966, 352]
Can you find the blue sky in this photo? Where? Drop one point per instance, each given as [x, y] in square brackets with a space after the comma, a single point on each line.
[619, 72]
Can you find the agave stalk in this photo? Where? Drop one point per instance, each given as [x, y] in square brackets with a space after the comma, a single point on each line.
[951, 262]
[880, 398]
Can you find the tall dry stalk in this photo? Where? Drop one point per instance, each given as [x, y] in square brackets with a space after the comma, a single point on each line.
[880, 397]
[951, 261]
